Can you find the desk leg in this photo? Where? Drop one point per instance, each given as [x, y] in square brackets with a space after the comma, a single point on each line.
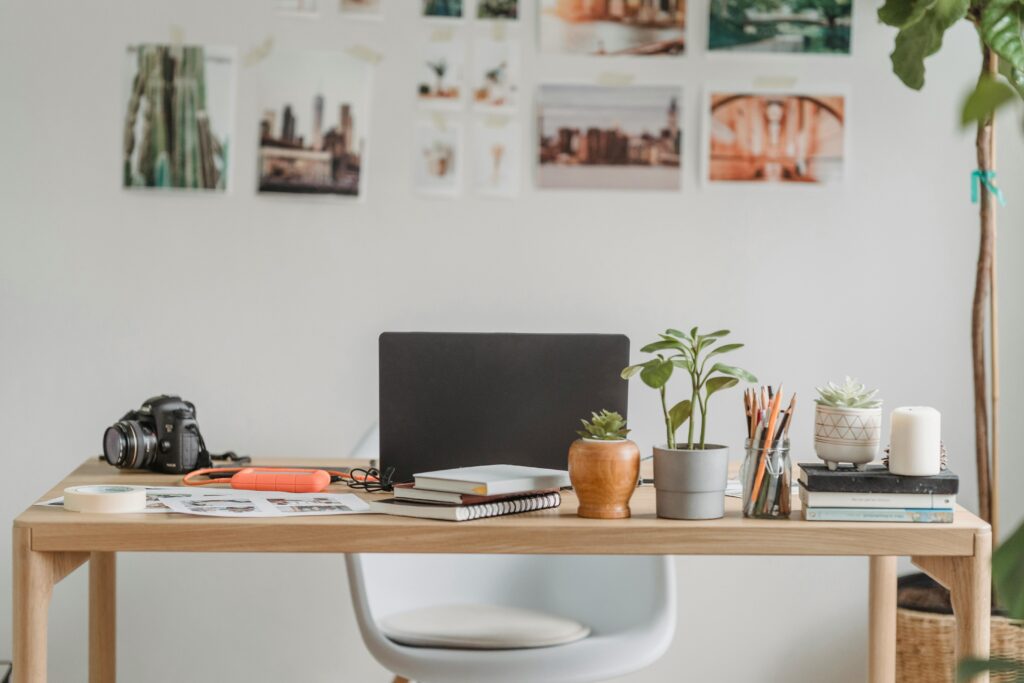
[969, 580]
[35, 574]
[882, 620]
[102, 618]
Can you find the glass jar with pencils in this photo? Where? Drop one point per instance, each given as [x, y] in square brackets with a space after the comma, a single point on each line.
[767, 477]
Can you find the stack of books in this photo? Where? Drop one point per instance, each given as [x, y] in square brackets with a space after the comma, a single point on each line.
[875, 495]
[468, 493]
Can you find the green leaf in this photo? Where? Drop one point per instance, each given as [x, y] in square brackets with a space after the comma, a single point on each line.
[718, 383]
[656, 375]
[693, 333]
[903, 13]
[1008, 573]
[725, 348]
[988, 96]
[630, 371]
[662, 345]
[923, 38]
[733, 372]
[679, 414]
[718, 333]
[1015, 77]
[969, 668]
[676, 333]
[1001, 30]
[684, 363]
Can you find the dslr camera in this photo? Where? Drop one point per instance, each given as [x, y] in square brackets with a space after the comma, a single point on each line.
[162, 436]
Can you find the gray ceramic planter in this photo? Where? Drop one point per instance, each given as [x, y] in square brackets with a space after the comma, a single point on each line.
[690, 484]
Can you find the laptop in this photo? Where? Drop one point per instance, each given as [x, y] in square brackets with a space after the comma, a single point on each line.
[456, 400]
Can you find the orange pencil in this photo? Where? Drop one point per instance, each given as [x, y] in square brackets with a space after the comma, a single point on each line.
[769, 434]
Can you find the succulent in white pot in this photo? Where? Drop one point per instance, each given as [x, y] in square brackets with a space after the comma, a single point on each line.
[847, 424]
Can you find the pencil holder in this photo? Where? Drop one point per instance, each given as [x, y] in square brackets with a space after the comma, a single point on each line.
[766, 477]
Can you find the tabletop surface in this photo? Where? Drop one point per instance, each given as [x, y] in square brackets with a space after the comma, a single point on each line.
[556, 531]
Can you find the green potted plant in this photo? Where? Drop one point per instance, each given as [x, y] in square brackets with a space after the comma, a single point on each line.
[847, 424]
[604, 467]
[690, 476]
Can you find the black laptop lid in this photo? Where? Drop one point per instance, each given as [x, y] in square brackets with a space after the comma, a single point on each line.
[456, 400]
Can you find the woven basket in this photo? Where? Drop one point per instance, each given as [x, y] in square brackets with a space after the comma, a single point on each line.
[926, 644]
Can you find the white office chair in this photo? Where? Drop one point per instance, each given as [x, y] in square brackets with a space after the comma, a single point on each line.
[628, 603]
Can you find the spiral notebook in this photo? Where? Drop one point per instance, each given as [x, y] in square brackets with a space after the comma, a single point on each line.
[465, 513]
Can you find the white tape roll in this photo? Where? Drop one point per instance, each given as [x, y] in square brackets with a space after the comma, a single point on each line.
[105, 498]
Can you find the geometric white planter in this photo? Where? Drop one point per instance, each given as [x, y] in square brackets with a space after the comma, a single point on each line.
[847, 435]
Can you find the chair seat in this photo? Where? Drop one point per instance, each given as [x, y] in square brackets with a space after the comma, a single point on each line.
[481, 627]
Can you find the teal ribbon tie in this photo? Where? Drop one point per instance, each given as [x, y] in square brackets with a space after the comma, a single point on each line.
[986, 178]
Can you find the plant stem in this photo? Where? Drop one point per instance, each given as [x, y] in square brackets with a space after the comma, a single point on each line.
[670, 437]
[983, 278]
[703, 419]
[693, 405]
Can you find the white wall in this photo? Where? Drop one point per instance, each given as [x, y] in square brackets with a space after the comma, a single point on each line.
[266, 314]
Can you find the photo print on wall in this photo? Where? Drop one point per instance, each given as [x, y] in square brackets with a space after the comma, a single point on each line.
[496, 72]
[781, 26]
[442, 9]
[441, 72]
[370, 9]
[178, 112]
[613, 27]
[609, 137]
[437, 156]
[497, 156]
[497, 9]
[314, 114]
[775, 137]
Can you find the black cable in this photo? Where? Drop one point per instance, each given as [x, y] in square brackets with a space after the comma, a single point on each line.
[371, 479]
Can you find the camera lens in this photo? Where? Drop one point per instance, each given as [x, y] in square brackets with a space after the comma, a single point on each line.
[129, 445]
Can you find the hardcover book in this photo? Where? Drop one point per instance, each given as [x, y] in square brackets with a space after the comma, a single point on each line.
[874, 479]
[492, 480]
[878, 515]
[844, 499]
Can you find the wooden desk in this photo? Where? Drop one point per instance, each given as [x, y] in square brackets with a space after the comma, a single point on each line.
[51, 543]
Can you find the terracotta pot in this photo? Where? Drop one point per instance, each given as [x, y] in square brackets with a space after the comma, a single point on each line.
[604, 476]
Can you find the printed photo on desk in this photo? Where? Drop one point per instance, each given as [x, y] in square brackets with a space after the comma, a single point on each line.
[637, 29]
[775, 138]
[314, 116]
[440, 71]
[178, 109]
[780, 26]
[437, 156]
[609, 137]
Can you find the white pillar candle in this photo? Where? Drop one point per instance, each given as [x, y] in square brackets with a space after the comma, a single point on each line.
[915, 441]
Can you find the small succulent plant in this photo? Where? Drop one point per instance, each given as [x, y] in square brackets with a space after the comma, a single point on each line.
[852, 394]
[606, 426]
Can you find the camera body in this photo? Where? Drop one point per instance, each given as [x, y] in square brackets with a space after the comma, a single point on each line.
[162, 436]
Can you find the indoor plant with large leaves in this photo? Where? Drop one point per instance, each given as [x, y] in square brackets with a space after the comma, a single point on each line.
[690, 477]
[921, 26]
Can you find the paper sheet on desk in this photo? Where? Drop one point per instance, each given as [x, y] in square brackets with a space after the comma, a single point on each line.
[237, 503]
[267, 504]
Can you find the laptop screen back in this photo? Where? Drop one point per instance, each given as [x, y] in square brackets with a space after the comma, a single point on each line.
[457, 400]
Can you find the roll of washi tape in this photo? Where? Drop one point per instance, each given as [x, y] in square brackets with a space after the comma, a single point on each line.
[105, 498]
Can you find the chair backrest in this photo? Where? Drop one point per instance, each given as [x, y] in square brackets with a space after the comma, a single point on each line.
[598, 590]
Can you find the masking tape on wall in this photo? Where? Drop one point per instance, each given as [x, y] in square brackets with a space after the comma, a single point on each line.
[105, 498]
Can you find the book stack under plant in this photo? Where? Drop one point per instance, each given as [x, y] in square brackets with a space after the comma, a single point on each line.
[874, 494]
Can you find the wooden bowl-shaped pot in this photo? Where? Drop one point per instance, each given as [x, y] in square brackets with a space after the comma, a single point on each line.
[604, 476]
